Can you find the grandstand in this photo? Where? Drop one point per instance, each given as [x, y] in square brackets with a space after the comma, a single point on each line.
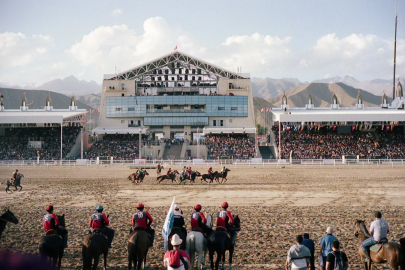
[176, 96]
[340, 132]
[42, 134]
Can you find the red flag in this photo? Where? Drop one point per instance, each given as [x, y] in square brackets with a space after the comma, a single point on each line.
[387, 128]
[175, 48]
[353, 127]
[24, 93]
[334, 127]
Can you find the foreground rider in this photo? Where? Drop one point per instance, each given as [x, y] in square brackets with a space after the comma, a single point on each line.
[198, 221]
[378, 229]
[179, 219]
[225, 220]
[142, 221]
[51, 222]
[99, 221]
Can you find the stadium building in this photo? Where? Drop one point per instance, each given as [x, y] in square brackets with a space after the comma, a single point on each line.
[176, 96]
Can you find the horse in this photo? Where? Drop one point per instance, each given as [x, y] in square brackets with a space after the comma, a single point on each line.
[138, 246]
[94, 245]
[172, 177]
[206, 176]
[389, 252]
[7, 216]
[51, 245]
[180, 233]
[196, 242]
[159, 170]
[192, 178]
[222, 175]
[220, 242]
[136, 179]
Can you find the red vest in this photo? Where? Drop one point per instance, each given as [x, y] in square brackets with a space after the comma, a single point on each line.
[50, 222]
[98, 220]
[195, 217]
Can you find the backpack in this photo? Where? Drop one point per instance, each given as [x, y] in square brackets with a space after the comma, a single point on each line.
[338, 261]
[174, 260]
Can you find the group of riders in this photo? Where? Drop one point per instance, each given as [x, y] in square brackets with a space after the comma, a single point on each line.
[142, 220]
[187, 172]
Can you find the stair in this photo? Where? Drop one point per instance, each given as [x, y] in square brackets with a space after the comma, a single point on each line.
[173, 152]
[265, 152]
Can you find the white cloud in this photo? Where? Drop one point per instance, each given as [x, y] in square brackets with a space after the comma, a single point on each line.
[17, 49]
[117, 12]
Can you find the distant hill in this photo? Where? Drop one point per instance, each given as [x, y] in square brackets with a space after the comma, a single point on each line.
[268, 87]
[258, 104]
[36, 99]
[70, 85]
[92, 100]
[322, 95]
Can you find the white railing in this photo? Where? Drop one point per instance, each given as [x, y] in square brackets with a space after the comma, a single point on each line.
[165, 163]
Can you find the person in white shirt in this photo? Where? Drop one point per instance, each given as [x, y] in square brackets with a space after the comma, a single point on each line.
[378, 229]
[176, 258]
[298, 255]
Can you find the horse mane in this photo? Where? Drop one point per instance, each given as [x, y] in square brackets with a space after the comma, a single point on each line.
[363, 228]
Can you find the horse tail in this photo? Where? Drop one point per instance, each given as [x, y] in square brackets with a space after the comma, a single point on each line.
[133, 252]
[191, 249]
[402, 255]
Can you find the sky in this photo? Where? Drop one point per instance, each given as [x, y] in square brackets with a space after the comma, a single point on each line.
[43, 40]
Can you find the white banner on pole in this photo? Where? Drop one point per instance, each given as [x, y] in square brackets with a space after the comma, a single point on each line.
[167, 227]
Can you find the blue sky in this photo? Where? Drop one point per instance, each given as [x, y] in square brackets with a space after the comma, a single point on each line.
[312, 39]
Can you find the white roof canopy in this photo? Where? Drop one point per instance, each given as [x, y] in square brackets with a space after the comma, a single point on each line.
[220, 130]
[41, 116]
[119, 130]
[338, 115]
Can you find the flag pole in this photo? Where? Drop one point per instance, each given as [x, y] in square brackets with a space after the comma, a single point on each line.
[395, 49]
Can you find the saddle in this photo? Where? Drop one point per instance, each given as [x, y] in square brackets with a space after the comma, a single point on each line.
[99, 231]
[51, 232]
[377, 247]
[223, 229]
[197, 229]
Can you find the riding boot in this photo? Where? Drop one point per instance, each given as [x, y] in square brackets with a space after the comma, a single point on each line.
[152, 237]
[367, 257]
[65, 240]
[233, 238]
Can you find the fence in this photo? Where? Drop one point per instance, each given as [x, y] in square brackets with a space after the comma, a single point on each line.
[165, 163]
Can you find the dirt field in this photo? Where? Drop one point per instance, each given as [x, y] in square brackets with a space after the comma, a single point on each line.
[274, 205]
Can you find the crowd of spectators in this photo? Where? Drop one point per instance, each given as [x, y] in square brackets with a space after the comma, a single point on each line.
[16, 144]
[232, 146]
[328, 144]
[118, 146]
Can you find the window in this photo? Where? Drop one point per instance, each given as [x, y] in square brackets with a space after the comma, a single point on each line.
[221, 108]
[234, 108]
[230, 121]
[118, 109]
[131, 109]
[214, 123]
[221, 123]
[122, 121]
[123, 86]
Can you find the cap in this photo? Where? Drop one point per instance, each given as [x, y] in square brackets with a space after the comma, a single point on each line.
[176, 207]
[224, 204]
[329, 230]
[140, 205]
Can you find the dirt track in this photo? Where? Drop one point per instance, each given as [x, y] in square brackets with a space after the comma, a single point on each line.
[274, 206]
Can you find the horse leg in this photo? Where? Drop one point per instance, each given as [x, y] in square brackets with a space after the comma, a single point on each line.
[140, 260]
[144, 262]
[105, 260]
[223, 260]
[95, 264]
[211, 257]
[231, 250]
[60, 259]
[219, 257]
[55, 260]
[20, 188]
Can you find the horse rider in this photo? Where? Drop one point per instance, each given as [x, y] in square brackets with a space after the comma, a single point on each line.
[198, 221]
[15, 174]
[378, 229]
[179, 219]
[51, 222]
[211, 173]
[169, 172]
[100, 221]
[184, 171]
[142, 221]
[223, 218]
[140, 172]
[189, 172]
[158, 167]
[223, 170]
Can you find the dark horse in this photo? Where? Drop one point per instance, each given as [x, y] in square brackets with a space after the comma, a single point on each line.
[14, 182]
[389, 252]
[206, 176]
[178, 231]
[223, 176]
[192, 178]
[171, 176]
[51, 245]
[220, 242]
[136, 179]
[8, 216]
[138, 246]
[94, 245]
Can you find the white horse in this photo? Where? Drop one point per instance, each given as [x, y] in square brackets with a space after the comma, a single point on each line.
[196, 242]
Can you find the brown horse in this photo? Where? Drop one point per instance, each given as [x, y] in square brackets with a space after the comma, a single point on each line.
[94, 245]
[171, 176]
[138, 246]
[222, 175]
[219, 242]
[136, 179]
[51, 245]
[389, 252]
[8, 216]
[206, 176]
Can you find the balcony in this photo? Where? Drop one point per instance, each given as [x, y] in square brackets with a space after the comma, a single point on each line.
[175, 110]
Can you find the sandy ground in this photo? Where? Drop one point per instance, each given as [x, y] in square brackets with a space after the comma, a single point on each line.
[274, 205]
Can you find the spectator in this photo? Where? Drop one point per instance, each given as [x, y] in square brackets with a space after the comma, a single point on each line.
[309, 243]
[176, 258]
[235, 146]
[336, 259]
[326, 244]
[298, 255]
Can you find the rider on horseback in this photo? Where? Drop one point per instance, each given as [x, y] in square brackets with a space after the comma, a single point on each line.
[140, 222]
[223, 169]
[189, 171]
[198, 221]
[99, 221]
[211, 173]
[184, 171]
[169, 172]
[15, 174]
[223, 218]
[179, 219]
[378, 229]
[140, 172]
[50, 222]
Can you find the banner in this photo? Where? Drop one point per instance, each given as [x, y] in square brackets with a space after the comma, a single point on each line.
[167, 227]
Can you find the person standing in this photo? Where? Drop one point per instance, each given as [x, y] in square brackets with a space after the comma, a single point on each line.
[298, 256]
[326, 245]
[176, 259]
[336, 259]
[309, 243]
[378, 229]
